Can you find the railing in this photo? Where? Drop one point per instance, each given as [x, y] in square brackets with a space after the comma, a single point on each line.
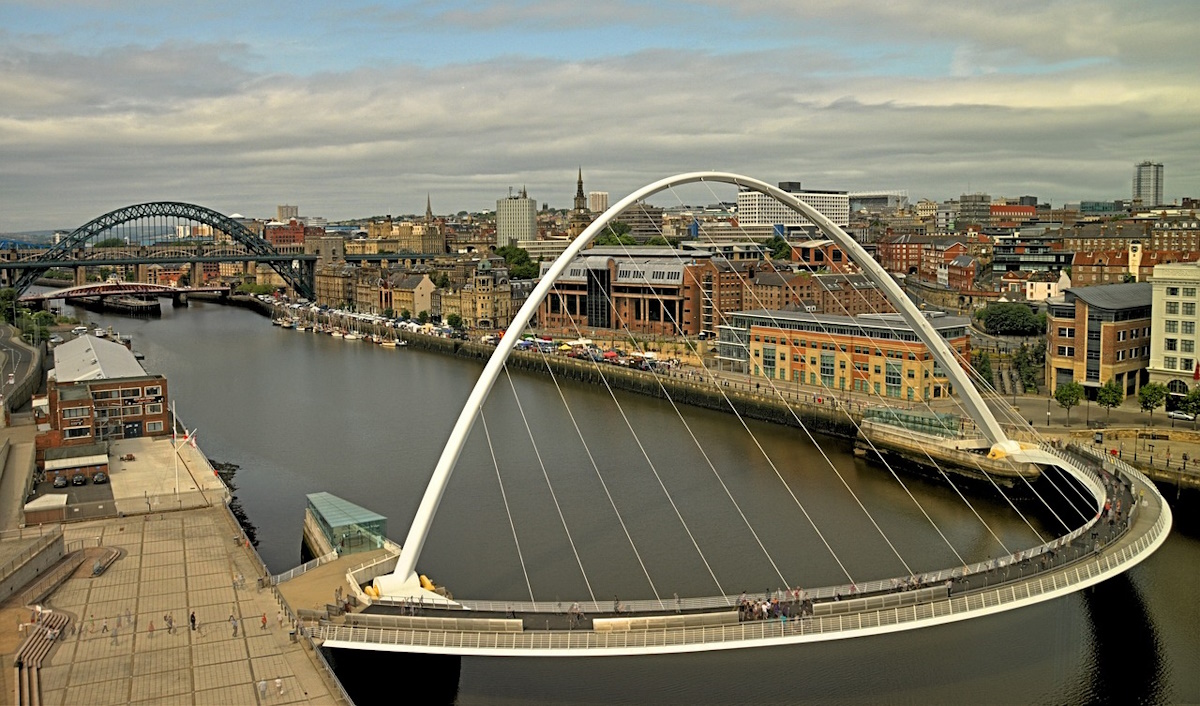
[13, 565]
[303, 568]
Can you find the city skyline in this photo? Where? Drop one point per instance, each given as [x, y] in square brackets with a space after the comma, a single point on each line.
[365, 109]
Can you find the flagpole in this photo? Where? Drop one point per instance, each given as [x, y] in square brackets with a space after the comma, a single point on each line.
[174, 427]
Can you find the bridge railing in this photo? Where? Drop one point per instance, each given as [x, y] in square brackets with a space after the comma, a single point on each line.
[303, 568]
[958, 607]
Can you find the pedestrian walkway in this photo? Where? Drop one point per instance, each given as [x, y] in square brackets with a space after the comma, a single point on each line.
[122, 651]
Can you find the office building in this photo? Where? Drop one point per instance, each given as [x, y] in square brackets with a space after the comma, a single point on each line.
[1148, 183]
[1174, 302]
[516, 219]
[1097, 334]
[758, 209]
[285, 213]
[597, 201]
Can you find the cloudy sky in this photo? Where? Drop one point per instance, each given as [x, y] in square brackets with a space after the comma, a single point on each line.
[362, 108]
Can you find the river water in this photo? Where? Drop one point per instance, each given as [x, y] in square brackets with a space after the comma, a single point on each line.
[302, 413]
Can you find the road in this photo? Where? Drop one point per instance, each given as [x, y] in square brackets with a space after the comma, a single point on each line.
[15, 359]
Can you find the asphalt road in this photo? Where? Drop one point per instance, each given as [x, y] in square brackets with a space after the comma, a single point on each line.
[16, 359]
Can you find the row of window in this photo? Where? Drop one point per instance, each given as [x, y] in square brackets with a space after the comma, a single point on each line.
[1175, 291]
[132, 410]
[1183, 345]
[128, 392]
[860, 350]
[1170, 362]
[81, 432]
[1185, 327]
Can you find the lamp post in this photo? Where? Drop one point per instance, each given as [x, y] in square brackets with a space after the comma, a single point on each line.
[1047, 412]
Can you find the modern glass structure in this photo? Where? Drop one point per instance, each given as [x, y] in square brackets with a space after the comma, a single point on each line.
[348, 527]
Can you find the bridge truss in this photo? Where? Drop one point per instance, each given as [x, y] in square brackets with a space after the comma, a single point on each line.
[146, 224]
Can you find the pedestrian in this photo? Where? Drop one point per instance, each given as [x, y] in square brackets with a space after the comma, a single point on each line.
[264, 621]
[279, 685]
[262, 689]
[192, 619]
[104, 626]
[233, 621]
[152, 628]
[279, 617]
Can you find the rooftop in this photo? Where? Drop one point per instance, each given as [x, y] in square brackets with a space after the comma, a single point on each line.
[91, 358]
[1115, 296]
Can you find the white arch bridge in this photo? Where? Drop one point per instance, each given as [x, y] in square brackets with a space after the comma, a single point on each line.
[1087, 553]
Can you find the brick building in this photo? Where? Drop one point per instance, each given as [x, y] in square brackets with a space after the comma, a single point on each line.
[1097, 334]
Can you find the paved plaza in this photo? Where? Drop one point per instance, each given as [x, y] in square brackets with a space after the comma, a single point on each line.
[173, 564]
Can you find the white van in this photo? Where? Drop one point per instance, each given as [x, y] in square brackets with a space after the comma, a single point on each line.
[79, 330]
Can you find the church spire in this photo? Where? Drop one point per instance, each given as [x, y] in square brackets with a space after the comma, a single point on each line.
[580, 199]
[428, 209]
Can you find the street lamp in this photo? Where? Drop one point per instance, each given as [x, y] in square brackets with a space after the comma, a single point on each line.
[1047, 412]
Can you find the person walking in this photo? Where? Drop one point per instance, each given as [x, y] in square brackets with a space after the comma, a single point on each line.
[279, 685]
[192, 619]
[264, 621]
[262, 689]
[151, 629]
[104, 626]
[279, 617]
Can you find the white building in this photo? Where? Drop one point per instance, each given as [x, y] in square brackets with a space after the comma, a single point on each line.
[597, 201]
[1148, 183]
[758, 209]
[516, 219]
[1173, 359]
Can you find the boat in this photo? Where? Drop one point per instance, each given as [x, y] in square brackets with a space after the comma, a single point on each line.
[388, 343]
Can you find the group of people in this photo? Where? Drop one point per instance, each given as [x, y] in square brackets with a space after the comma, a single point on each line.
[782, 605]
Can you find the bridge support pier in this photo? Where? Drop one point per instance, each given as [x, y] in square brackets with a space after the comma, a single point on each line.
[80, 275]
[143, 273]
[197, 274]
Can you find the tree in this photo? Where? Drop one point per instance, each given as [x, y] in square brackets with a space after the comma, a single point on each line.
[110, 243]
[660, 240]
[8, 299]
[389, 313]
[1191, 403]
[454, 321]
[613, 239]
[983, 368]
[405, 314]
[1011, 319]
[519, 264]
[442, 281]
[1068, 395]
[780, 249]
[1151, 397]
[423, 318]
[1110, 395]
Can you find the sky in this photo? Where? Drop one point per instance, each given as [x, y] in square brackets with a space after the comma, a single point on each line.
[353, 109]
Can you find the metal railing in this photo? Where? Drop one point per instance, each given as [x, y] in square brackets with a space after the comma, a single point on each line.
[303, 568]
[14, 564]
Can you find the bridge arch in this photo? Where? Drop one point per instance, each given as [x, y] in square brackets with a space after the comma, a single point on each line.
[405, 575]
[254, 244]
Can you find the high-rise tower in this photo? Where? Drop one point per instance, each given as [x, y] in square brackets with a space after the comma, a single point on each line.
[1148, 183]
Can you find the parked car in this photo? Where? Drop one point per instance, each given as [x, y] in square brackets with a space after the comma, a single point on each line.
[99, 477]
[79, 479]
[60, 481]
[1180, 414]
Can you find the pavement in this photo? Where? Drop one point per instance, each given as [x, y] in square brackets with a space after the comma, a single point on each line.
[174, 564]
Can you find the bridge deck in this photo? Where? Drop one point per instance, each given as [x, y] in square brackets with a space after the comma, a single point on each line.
[1094, 555]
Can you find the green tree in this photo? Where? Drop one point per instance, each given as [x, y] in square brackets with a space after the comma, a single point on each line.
[405, 314]
[1151, 397]
[779, 247]
[1011, 319]
[423, 317]
[110, 243]
[8, 299]
[1068, 395]
[389, 313]
[519, 264]
[661, 241]
[613, 239]
[1191, 403]
[454, 321]
[442, 280]
[983, 368]
[1110, 395]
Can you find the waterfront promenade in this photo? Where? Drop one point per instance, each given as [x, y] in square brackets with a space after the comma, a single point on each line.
[176, 564]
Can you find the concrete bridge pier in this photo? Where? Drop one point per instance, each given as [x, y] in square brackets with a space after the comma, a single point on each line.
[80, 275]
[197, 274]
[143, 273]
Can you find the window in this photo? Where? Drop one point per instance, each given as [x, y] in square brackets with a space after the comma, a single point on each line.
[1172, 326]
[1172, 291]
[1169, 362]
[1170, 344]
[1121, 335]
[1172, 307]
[1187, 345]
[1066, 351]
[130, 392]
[152, 427]
[1185, 363]
[1189, 308]
[154, 408]
[74, 412]
[1189, 291]
[104, 394]
[1188, 327]
[133, 410]
[77, 432]
[154, 391]
[1065, 332]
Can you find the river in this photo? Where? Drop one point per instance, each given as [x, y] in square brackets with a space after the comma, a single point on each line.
[302, 413]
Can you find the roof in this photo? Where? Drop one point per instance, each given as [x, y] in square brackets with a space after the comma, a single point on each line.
[1129, 295]
[341, 513]
[91, 358]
